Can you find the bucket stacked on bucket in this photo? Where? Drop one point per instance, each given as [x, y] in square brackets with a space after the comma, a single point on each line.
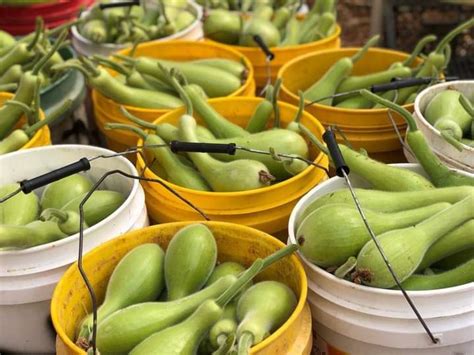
[106, 110]
[236, 243]
[20, 19]
[28, 276]
[41, 138]
[370, 129]
[266, 208]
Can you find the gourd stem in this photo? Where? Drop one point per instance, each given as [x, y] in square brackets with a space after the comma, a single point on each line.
[448, 137]
[361, 52]
[70, 65]
[449, 37]
[119, 68]
[126, 127]
[125, 58]
[30, 131]
[299, 113]
[276, 108]
[345, 268]
[245, 342]
[41, 63]
[90, 66]
[391, 105]
[313, 139]
[171, 76]
[269, 260]
[38, 31]
[137, 120]
[466, 104]
[418, 48]
[54, 212]
[243, 279]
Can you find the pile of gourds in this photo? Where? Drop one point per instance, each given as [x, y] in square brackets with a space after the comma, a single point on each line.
[417, 222]
[207, 307]
[26, 220]
[277, 28]
[132, 24]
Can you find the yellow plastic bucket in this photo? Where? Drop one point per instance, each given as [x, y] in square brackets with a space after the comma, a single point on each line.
[267, 208]
[284, 54]
[370, 129]
[171, 50]
[237, 243]
[41, 138]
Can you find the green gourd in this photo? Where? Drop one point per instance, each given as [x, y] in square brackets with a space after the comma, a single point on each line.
[357, 82]
[137, 278]
[224, 269]
[101, 204]
[280, 140]
[439, 173]
[20, 209]
[123, 330]
[95, 30]
[333, 233]
[173, 168]
[12, 75]
[60, 192]
[262, 27]
[292, 31]
[330, 81]
[459, 239]
[390, 201]
[405, 248]
[30, 235]
[222, 26]
[281, 17]
[237, 175]
[224, 327]
[262, 309]
[7, 42]
[381, 176]
[460, 275]
[219, 125]
[68, 222]
[446, 114]
[233, 67]
[189, 260]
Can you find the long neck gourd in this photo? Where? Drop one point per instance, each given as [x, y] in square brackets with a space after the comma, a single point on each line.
[218, 124]
[439, 174]
[385, 201]
[463, 274]
[184, 338]
[28, 204]
[460, 239]
[175, 170]
[238, 175]
[329, 82]
[125, 329]
[405, 248]
[333, 233]
[137, 278]
[381, 176]
[446, 114]
[262, 309]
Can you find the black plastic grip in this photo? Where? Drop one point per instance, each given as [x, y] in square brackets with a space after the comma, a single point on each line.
[263, 46]
[177, 146]
[399, 84]
[119, 4]
[335, 153]
[29, 185]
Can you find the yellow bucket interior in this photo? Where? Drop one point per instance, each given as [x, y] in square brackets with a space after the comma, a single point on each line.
[41, 138]
[71, 301]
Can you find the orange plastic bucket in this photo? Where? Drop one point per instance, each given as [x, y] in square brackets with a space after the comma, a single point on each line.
[267, 208]
[171, 50]
[238, 243]
[284, 54]
[41, 138]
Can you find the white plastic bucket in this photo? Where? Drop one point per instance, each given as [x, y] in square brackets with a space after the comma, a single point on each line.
[87, 48]
[463, 160]
[28, 277]
[360, 320]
